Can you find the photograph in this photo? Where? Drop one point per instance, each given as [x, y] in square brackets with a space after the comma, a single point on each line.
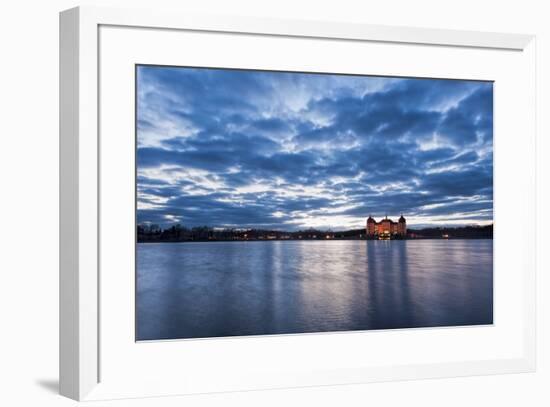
[276, 202]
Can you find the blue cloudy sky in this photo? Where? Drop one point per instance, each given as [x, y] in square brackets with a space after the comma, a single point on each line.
[235, 148]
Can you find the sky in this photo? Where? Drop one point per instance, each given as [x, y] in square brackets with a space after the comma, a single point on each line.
[290, 151]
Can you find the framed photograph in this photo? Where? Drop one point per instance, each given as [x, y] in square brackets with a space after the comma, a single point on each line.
[257, 203]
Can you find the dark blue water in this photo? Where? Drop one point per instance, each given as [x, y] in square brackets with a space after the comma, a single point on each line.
[197, 290]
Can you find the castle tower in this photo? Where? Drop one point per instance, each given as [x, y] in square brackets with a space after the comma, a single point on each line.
[402, 226]
[371, 226]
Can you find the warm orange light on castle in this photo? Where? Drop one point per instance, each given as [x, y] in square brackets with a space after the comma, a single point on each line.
[386, 228]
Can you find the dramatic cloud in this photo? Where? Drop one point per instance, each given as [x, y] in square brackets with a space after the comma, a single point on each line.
[235, 148]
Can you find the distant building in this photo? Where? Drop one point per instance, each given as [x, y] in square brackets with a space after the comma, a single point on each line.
[386, 228]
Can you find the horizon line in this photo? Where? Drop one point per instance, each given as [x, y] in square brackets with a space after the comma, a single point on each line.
[329, 229]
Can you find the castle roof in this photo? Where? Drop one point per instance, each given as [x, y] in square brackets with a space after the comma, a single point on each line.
[371, 220]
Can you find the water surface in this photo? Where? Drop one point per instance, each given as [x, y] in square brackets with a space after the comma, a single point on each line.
[212, 289]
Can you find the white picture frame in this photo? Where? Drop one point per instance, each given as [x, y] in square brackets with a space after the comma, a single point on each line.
[83, 342]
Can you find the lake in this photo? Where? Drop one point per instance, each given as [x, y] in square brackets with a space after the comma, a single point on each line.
[214, 289]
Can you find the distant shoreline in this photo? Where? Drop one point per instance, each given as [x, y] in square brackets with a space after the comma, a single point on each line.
[311, 240]
[176, 233]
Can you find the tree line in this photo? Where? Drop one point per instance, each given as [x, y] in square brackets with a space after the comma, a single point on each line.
[179, 233]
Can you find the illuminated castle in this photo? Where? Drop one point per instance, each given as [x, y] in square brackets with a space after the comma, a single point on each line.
[386, 228]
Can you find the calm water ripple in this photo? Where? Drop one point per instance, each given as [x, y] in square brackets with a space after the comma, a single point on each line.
[212, 289]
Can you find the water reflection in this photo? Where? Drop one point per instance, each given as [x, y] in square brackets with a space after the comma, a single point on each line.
[190, 290]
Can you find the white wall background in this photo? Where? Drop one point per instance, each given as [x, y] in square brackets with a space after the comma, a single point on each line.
[29, 203]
